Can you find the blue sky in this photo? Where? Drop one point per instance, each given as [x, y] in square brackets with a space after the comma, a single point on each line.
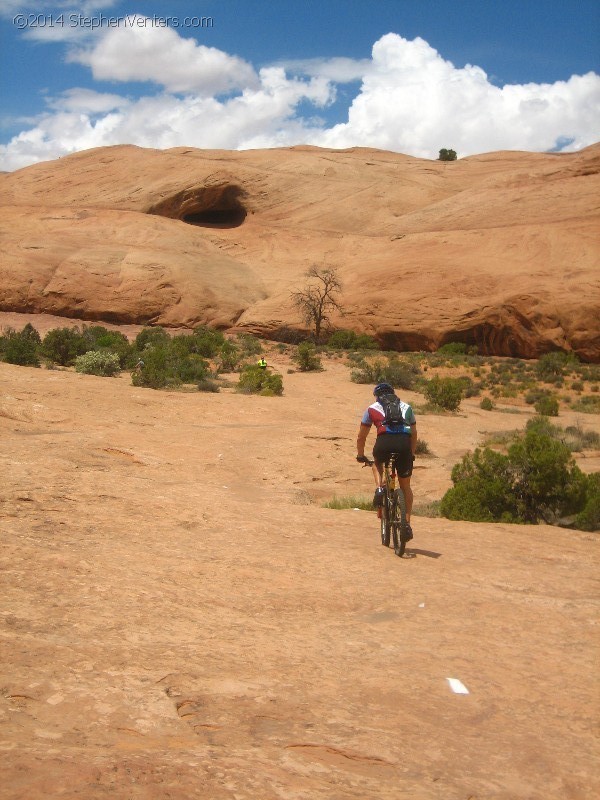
[405, 76]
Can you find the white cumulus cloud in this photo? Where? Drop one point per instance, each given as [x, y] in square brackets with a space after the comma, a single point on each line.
[140, 50]
[414, 101]
[410, 99]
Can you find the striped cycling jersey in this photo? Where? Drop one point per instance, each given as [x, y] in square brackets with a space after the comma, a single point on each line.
[375, 415]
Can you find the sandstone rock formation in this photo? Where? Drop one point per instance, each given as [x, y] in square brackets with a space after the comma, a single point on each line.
[499, 250]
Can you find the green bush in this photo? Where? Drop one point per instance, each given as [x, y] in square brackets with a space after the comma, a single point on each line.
[229, 356]
[249, 345]
[350, 502]
[63, 345]
[160, 369]
[535, 394]
[444, 392]
[552, 367]
[587, 404]
[401, 374]
[578, 440]
[547, 406]
[21, 348]
[453, 348]
[487, 404]
[254, 380]
[349, 340]
[189, 369]
[151, 337]
[482, 489]
[100, 338]
[422, 448]
[307, 358]
[208, 385]
[98, 362]
[588, 518]
[536, 480]
[206, 342]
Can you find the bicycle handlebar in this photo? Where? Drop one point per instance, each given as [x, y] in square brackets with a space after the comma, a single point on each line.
[364, 461]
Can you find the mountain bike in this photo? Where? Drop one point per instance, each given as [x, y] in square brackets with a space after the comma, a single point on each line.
[392, 513]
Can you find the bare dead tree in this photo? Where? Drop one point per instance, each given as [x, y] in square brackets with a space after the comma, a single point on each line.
[319, 298]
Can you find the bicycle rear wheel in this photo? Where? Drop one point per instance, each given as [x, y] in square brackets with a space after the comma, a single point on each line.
[385, 520]
[399, 524]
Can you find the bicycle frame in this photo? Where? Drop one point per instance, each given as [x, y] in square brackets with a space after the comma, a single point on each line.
[393, 510]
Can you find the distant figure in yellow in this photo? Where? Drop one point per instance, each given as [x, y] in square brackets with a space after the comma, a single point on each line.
[262, 363]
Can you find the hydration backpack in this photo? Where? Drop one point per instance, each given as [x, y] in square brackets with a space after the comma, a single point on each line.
[392, 407]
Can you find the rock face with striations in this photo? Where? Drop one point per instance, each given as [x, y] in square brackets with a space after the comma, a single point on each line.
[498, 250]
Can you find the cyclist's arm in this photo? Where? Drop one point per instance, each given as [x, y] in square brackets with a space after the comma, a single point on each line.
[361, 439]
[413, 438]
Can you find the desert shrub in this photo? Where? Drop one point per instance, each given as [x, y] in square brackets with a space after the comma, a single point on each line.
[190, 369]
[573, 436]
[350, 502]
[578, 440]
[182, 345]
[444, 392]
[588, 519]
[249, 345]
[206, 342]
[254, 380]
[535, 394]
[400, 373]
[588, 405]
[229, 356]
[21, 348]
[577, 386]
[63, 345]
[547, 406]
[536, 480]
[208, 385]
[453, 349]
[482, 489]
[98, 362]
[487, 404]
[429, 509]
[552, 367]
[160, 369]
[307, 358]
[349, 340]
[469, 387]
[151, 337]
[422, 448]
[99, 338]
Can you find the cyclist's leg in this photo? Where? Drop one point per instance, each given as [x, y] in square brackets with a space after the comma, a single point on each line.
[404, 484]
[380, 456]
[404, 468]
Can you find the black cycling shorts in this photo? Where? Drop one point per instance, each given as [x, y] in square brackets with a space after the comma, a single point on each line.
[398, 444]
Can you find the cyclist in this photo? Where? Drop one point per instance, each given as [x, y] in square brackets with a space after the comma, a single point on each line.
[402, 441]
[261, 363]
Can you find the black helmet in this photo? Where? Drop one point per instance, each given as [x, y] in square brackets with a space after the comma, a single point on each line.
[383, 388]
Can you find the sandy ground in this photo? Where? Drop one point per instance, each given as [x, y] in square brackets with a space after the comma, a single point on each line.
[181, 618]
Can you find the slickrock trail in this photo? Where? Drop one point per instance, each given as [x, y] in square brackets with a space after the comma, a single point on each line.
[180, 621]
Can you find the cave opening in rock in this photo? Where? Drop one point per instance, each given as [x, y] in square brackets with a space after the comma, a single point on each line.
[217, 217]
[217, 206]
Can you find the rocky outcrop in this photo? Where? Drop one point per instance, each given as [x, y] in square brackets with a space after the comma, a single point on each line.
[498, 250]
